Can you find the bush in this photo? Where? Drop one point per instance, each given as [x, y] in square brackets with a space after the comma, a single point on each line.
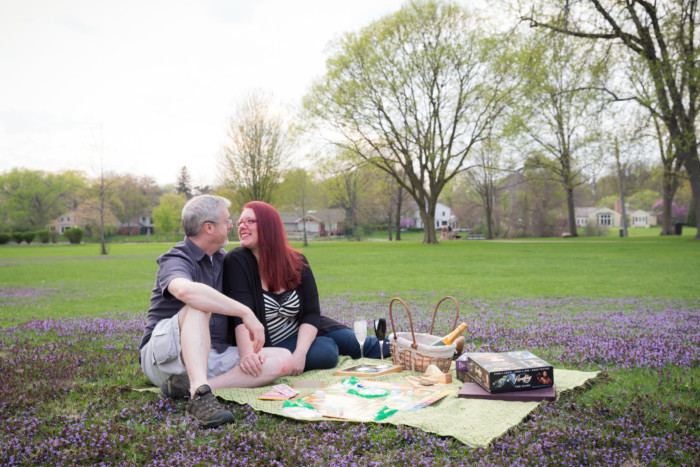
[592, 230]
[43, 236]
[54, 236]
[4, 238]
[74, 235]
[29, 237]
[18, 237]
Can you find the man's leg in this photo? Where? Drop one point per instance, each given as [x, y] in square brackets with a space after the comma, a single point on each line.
[278, 363]
[195, 342]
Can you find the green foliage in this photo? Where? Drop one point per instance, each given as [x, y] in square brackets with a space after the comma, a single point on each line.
[166, 217]
[18, 237]
[29, 236]
[43, 236]
[4, 238]
[31, 198]
[593, 230]
[643, 199]
[54, 236]
[74, 235]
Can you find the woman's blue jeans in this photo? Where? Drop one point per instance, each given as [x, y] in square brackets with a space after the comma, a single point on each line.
[324, 350]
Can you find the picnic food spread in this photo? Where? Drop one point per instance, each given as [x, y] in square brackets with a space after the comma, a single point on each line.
[510, 376]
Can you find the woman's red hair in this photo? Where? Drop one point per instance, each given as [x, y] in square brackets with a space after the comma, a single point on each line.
[279, 264]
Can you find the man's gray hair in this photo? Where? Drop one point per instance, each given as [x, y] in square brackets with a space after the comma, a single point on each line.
[201, 209]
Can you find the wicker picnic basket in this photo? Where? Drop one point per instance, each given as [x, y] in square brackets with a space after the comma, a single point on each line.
[414, 351]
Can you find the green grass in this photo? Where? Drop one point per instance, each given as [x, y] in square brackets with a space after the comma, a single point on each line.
[52, 281]
[75, 280]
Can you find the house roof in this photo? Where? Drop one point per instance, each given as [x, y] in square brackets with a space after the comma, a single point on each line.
[584, 212]
[322, 215]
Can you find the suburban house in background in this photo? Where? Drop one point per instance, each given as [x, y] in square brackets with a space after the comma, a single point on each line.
[63, 223]
[319, 223]
[141, 225]
[604, 217]
[443, 217]
[642, 219]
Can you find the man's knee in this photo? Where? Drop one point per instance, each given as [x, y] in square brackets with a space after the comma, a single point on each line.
[279, 360]
[190, 312]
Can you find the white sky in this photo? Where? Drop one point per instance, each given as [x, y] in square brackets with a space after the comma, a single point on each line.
[148, 85]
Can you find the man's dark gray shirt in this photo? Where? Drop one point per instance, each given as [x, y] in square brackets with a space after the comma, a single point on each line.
[186, 260]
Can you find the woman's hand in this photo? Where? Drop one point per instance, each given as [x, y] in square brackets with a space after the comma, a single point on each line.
[299, 363]
[252, 364]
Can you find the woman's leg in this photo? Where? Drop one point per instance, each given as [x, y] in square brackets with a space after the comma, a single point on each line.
[347, 344]
[322, 354]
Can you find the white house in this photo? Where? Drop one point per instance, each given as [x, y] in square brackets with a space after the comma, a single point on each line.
[642, 219]
[443, 216]
[602, 217]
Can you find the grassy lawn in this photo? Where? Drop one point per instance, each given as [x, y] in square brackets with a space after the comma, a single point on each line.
[71, 321]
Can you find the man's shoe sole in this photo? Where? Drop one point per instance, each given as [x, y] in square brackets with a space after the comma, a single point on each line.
[223, 418]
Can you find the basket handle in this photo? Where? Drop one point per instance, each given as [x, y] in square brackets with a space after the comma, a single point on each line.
[410, 320]
[435, 313]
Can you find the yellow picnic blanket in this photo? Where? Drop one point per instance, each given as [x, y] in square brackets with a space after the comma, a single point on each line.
[475, 422]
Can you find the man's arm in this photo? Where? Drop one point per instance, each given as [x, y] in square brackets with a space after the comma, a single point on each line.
[205, 298]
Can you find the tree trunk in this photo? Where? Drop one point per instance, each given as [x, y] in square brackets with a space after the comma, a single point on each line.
[692, 166]
[430, 237]
[571, 210]
[622, 189]
[399, 202]
[666, 208]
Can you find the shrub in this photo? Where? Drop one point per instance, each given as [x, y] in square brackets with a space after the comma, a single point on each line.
[18, 237]
[54, 236]
[29, 237]
[74, 235]
[43, 236]
[4, 238]
[593, 230]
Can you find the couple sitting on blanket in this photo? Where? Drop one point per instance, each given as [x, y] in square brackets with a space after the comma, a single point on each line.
[237, 319]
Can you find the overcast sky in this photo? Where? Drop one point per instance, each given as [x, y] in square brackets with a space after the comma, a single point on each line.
[148, 86]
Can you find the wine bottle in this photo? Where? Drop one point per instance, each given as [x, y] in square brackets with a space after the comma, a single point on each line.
[450, 338]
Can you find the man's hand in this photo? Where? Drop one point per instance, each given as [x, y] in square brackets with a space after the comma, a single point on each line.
[256, 331]
[252, 364]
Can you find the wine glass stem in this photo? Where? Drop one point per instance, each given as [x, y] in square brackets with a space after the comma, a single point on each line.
[381, 350]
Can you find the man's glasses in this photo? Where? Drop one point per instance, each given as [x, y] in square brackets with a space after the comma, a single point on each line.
[228, 222]
[247, 222]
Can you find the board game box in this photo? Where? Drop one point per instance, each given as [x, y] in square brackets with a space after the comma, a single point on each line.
[505, 371]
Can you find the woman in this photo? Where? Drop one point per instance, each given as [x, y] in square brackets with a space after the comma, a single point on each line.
[276, 282]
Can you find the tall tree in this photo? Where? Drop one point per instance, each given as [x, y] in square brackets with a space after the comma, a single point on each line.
[413, 93]
[483, 181]
[183, 185]
[296, 192]
[660, 36]
[257, 147]
[558, 110]
[344, 187]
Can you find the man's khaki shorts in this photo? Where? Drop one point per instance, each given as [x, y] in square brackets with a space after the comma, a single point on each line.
[161, 356]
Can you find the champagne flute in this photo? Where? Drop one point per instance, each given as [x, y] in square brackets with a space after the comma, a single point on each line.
[360, 328]
[380, 331]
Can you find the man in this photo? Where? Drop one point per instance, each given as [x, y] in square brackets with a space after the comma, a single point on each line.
[184, 349]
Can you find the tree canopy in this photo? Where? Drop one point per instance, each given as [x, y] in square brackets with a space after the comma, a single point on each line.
[412, 93]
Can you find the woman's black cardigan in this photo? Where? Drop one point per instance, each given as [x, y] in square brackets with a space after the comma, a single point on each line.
[241, 282]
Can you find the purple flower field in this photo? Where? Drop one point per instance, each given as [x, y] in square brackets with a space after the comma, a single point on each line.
[66, 397]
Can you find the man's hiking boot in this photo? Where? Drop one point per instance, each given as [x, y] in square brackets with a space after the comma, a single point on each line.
[175, 387]
[207, 410]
